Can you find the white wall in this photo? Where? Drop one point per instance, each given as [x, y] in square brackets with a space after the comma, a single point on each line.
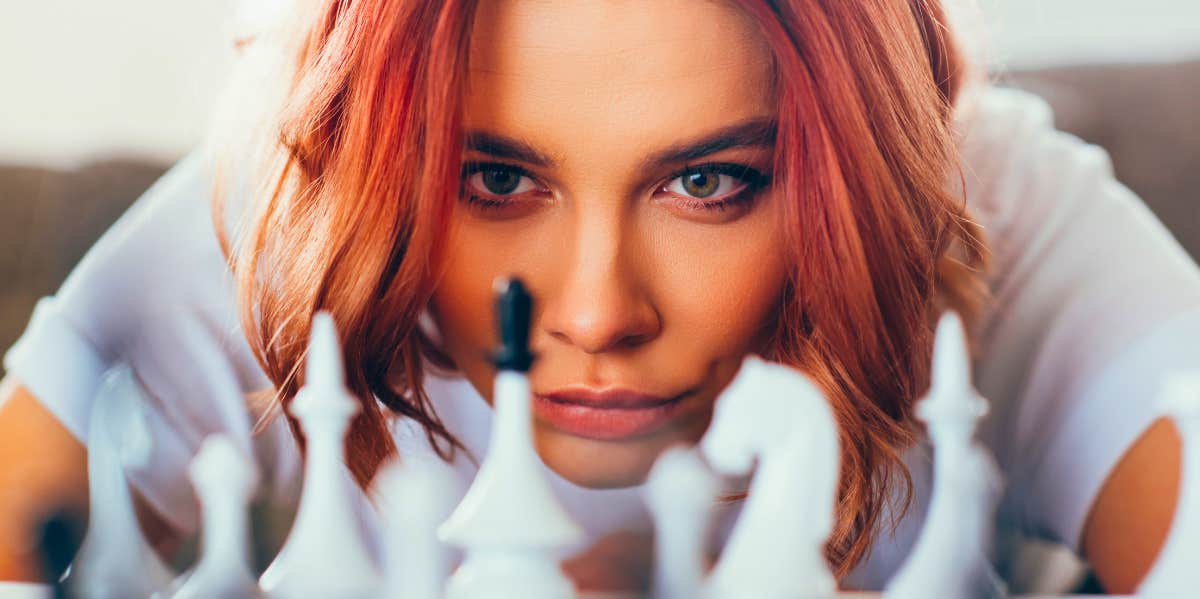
[84, 77]
[80, 78]
[1052, 32]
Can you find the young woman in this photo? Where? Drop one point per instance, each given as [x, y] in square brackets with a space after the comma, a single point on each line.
[679, 183]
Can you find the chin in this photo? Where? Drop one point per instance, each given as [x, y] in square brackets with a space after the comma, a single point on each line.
[604, 464]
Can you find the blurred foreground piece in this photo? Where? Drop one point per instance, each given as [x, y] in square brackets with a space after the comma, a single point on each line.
[224, 480]
[416, 496]
[680, 492]
[511, 525]
[950, 558]
[326, 554]
[777, 416]
[114, 560]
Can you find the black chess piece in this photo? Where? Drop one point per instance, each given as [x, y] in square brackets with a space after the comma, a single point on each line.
[58, 541]
[514, 312]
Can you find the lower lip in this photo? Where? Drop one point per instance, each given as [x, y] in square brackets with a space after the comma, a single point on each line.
[606, 424]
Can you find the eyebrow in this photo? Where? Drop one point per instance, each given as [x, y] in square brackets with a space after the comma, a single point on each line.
[755, 132]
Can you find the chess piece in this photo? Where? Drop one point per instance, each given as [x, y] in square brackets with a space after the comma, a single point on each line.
[325, 554]
[680, 492]
[58, 540]
[777, 548]
[510, 524]
[950, 556]
[416, 496]
[115, 561]
[224, 480]
[1176, 572]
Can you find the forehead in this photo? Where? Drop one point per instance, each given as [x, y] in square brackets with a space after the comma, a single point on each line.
[568, 74]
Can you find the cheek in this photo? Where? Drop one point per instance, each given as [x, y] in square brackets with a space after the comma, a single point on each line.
[463, 305]
[718, 286]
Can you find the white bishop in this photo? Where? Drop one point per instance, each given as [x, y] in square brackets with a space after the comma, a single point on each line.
[325, 554]
[950, 558]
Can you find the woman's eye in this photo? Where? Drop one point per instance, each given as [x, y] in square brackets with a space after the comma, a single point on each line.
[496, 180]
[702, 185]
[715, 187]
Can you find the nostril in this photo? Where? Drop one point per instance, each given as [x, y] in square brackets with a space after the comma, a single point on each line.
[597, 337]
[636, 340]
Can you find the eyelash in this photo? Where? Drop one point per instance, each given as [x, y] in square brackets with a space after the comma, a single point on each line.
[753, 181]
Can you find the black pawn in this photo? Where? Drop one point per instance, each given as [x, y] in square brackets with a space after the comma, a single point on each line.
[514, 311]
[59, 540]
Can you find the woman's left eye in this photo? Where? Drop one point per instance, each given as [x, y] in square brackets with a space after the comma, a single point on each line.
[715, 186]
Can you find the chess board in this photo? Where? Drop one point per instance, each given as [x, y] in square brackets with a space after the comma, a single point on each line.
[510, 526]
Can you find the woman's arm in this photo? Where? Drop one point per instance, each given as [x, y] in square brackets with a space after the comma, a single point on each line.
[1131, 516]
[43, 468]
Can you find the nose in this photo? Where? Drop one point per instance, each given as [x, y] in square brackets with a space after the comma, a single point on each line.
[601, 304]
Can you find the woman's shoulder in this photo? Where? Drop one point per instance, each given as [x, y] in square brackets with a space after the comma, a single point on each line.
[1093, 304]
[154, 292]
[165, 242]
[1014, 158]
[153, 295]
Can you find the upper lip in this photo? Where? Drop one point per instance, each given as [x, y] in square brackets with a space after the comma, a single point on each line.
[612, 398]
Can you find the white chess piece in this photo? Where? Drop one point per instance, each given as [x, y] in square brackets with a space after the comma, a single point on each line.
[510, 524]
[1176, 572]
[325, 554]
[416, 496]
[680, 492]
[114, 560]
[224, 480]
[777, 548]
[950, 558]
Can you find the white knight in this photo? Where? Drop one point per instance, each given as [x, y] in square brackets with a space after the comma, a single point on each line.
[776, 415]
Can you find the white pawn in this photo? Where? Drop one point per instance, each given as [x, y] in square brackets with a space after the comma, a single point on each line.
[950, 558]
[224, 480]
[416, 496]
[114, 560]
[510, 524]
[325, 554]
[1176, 572]
[680, 492]
[777, 416]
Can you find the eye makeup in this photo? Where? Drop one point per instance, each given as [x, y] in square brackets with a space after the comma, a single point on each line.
[748, 182]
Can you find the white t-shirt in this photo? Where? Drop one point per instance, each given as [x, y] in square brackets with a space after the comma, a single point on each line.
[1094, 304]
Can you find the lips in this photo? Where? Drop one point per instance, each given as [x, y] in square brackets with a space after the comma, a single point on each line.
[608, 414]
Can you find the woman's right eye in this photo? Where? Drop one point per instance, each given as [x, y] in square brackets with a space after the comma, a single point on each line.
[497, 180]
[496, 189]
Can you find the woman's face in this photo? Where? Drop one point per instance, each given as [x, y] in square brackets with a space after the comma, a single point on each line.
[617, 162]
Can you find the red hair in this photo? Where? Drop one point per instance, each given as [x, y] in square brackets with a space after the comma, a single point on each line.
[363, 173]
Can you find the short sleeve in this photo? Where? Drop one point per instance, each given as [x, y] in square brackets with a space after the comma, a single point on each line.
[152, 295]
[1094, 305]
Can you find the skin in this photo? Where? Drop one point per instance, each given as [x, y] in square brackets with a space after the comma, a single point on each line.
[634, 288]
